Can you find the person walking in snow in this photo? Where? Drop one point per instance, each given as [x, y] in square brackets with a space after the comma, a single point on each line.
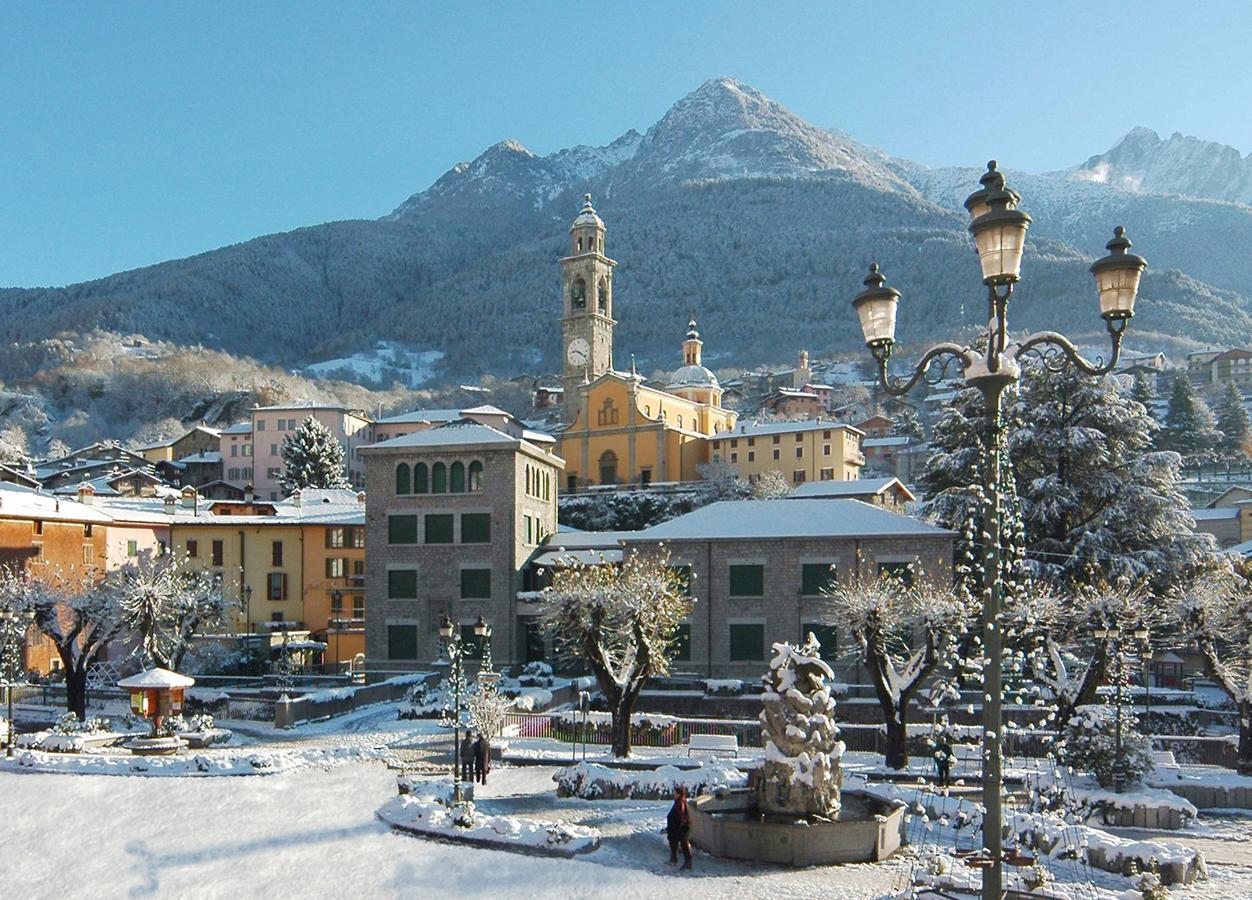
[482, 758]
[467, 757]
[678, 828]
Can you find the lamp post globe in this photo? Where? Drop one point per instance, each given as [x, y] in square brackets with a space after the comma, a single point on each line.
[876, 308]
[445, 628]
[1117, 278]
[999, 232]
[481, 628]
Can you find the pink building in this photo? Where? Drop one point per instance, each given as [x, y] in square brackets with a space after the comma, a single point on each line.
[270, 424]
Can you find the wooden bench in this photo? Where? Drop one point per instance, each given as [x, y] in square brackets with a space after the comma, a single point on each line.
[713, 743]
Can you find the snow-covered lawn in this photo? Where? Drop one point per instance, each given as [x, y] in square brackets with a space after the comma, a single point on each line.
[314, 833]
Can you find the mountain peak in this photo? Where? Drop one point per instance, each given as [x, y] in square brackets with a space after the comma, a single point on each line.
[1143, 163]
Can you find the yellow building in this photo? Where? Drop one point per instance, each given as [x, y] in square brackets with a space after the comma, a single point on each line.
[801, 451]
[619, 430]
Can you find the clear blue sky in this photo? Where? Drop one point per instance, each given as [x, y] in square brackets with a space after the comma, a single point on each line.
[136, 132]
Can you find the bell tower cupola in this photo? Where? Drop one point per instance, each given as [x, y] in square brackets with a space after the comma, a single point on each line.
[587, 324]
[692, 345]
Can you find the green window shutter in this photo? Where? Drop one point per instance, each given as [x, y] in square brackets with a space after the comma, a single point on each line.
[747, 581]
[402, 478]
[900, 570]
[438, 479]
[439, 528]
[402, 584]
[475, 584]
[747, 643]
[682, 643]
[457, 477]
[815, 578]
[402, 642]
[476, 528]
[421, 482]
[684, 574]
[827, 636]
[402, 529]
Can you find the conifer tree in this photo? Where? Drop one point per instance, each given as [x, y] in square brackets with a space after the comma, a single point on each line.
[312, 458]
[908, 425]
[1144, 392]
[1232, 420]
[1190, 427]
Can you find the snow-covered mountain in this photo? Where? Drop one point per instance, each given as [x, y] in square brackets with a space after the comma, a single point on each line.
[1143, 163]
[729, 204]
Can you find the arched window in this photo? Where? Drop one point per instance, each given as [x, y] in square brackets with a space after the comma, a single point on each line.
[680, 421]
[578, 293]
[602, 295]
[420, 479]
[580, 245]
[438, 478]
[527, 481]
[475, 476]
[458, 477]
[402, 478]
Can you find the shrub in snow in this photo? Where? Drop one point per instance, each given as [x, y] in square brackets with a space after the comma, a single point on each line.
[723, 687]
[422, 701]
[592, 781]
[537, 670]
[1089, 745]
[463, 814]
[801, 774]
[70, 724]
[1150, 885]
[1037, 876]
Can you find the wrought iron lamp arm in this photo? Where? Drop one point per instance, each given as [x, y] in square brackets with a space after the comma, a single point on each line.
[1055, 350]
[899, 385]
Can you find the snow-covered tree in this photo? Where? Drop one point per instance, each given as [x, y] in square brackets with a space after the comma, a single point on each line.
[800, 775]
[166, 603]
[1215, 612]
[312, 458]
[1190, 427]
[908, 425]
[79, 617]
[621, 621]
[771, 485]
[1233, 422]
[1089, 745]
[1143, 392]
[1094, 499]
[1054, 630]
[903, 632]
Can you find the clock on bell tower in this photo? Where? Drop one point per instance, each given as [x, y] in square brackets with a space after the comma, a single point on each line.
[587, 325]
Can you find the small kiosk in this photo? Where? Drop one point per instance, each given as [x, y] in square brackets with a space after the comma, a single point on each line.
[156, 694]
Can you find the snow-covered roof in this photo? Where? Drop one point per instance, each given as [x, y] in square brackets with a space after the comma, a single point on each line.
[587, 215]
[20, 502]
[692, 376]
[1222, 512]
[589, 556]
[238, 428]
[316, 508]
[156, 678]
[756, 429]
[584, 540]
[418, 416]
[897, 441]
[762, 519]
[1244, 549]
[463, 432]
[867, 487]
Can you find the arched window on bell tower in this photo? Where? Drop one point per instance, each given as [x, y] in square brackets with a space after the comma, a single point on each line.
[578, 293]
[602, 296]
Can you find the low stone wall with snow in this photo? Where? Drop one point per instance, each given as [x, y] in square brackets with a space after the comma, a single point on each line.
[210, 763]
[592, 781]
[330, 702]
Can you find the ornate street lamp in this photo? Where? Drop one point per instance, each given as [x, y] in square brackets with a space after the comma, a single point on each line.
[456, 652]
[999, 231]
[1114, 640]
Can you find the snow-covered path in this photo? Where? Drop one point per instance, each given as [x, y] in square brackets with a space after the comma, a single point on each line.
[313, 833]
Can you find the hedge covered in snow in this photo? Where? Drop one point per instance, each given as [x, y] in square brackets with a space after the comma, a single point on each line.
[592, 781]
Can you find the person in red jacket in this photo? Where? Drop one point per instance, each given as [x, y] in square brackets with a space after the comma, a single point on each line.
[678, 828]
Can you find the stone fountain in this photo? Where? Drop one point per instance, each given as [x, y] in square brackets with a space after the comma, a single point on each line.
[795, 810]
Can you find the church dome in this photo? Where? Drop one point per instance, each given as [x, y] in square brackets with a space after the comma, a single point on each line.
[691, 377]
[588, 216]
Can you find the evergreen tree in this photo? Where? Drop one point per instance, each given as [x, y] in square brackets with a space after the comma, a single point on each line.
[1232, 419]
[1093, 497]
[312, 458]
[1143, 392]
[1190, 428]
[908, 425]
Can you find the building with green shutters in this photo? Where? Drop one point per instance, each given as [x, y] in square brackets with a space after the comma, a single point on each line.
[454, 514]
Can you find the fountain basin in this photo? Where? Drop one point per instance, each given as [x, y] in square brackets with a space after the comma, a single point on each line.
[726, 824]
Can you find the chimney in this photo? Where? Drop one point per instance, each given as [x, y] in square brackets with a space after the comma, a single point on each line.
[296, 500]
[170, 505]
[360, 497]
[249, 492]
[86, 494]
[189, 497]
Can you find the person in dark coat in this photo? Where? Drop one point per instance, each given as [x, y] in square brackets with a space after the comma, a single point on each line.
[482, 758]
[678, 828]
[467, 757]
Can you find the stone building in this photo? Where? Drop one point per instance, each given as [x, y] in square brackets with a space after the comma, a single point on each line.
[760, 567]
[455, 513]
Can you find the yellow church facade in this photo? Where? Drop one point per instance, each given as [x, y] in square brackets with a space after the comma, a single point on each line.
[618, 429]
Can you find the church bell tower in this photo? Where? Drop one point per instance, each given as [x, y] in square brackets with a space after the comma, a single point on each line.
[587, 324]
